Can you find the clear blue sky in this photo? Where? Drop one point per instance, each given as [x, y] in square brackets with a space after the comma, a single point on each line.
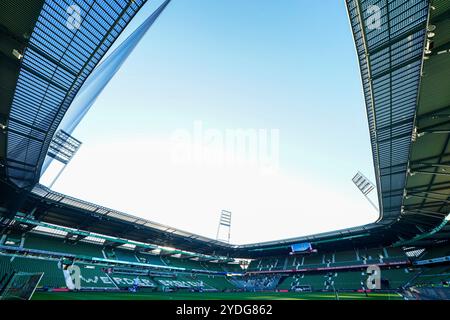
[263, 64]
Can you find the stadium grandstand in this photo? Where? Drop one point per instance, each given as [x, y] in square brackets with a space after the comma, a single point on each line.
[81, 249]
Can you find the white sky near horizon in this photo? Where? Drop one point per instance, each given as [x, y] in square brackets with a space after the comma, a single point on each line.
[257, 77]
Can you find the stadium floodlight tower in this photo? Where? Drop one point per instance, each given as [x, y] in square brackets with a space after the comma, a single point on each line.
[63, 148]
[365, 186]
[224, 227]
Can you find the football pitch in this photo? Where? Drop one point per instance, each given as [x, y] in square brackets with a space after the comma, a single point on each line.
[212, 296]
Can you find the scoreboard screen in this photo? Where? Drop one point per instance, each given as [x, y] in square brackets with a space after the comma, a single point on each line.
[301, 247]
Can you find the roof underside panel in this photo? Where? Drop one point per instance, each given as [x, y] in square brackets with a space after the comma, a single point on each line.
[390, 56]
[56, 62]
[427, 196]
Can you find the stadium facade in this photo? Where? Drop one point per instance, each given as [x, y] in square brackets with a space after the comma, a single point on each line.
[403, 53]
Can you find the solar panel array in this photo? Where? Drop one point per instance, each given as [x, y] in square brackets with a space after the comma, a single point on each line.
[68, 41]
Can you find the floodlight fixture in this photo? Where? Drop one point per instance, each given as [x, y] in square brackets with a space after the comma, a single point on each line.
[365, 186]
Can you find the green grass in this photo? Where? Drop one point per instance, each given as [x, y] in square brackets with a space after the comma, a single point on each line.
[210, 296]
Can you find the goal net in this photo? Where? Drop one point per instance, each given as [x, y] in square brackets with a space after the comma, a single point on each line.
[21, 286]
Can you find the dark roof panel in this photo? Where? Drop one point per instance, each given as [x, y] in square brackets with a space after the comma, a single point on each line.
[59, 57]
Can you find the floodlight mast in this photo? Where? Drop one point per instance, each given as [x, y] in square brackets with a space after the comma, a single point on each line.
[365, 186]
[63, 148]
[224, 223]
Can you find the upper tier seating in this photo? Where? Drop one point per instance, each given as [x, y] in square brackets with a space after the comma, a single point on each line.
[183, 263]
[348, 280]
[125, 255]
[212, 266]
[329, 259]
[313, 260]
[231, 267]
[436, 252]
[62, 245]
[345, 258]
[374, 255]
[254, 265]
[271, 264]
[395, 254]
[150, 259]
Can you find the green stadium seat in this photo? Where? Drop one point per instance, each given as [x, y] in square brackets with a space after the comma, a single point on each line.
[285, 283]
[81, 248]
[53, 277]
[315, 281]
[313, 260]
[231, 267]
[218, 282]
[395, 253]
[5, 265]
[183, 263]
[436, 252]
[349, 280]
[125, 255]
[150, 259]
[397, 277]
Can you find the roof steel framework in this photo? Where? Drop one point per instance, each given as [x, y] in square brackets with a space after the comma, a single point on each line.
[390, 58]
[56, 62]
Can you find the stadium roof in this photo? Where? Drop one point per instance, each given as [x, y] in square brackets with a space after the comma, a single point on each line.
[56, 61]
[16, 25]
[427, 190]
[405, 62]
